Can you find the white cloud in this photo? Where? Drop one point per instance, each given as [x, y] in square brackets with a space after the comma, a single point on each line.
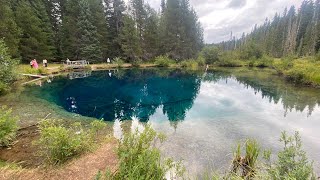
[220, 17]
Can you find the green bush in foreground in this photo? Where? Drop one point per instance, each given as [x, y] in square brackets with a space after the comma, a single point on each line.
[58, 143]
[163, 61]
[291, 164]
[292, 161]
[140, 159]
[8, 126]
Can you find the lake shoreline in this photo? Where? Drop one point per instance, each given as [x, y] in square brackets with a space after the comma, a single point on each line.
[58, 69]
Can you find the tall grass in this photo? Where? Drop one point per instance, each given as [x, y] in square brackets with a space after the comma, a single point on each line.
[26, 69]
[8, 126]
[299, 71]
[59, 143]
[245, 166]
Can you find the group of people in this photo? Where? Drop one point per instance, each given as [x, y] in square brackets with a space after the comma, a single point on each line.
[34, 63]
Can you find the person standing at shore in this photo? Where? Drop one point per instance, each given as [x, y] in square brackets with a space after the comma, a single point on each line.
[31, 63]
[35, 64]
[45, 63]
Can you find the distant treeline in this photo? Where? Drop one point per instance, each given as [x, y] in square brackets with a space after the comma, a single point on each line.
[99, 29]
[294, 33]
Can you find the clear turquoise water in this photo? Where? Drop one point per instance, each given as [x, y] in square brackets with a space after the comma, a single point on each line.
[203, 114]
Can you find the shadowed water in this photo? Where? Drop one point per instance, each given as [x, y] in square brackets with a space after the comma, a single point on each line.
[203, 114]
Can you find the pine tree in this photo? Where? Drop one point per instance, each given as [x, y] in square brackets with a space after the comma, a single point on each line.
[69, 30]
[89, 45]
[171, 35]
[163, 6]
[304, 29]
[151, 34]
[35, 40]
[183, 35]
[114, 10]
[129, 37]
[55, 9]
[99, 21]
[9, 29]
[46, 26]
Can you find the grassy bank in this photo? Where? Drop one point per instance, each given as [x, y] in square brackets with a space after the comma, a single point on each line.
[300, 71]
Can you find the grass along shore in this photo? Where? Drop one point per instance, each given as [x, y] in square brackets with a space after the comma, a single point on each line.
[300, 71]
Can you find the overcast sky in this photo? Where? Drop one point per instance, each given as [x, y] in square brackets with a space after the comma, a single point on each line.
[220, 17]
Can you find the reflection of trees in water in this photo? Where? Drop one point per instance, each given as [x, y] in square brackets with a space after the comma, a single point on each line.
[273, 88]
[133, 93]
[130, 93]
[292, 98]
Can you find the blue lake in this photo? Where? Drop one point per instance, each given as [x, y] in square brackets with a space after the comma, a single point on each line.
[203, 114]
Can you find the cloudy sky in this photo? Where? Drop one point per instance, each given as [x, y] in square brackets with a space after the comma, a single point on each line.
[220, 17]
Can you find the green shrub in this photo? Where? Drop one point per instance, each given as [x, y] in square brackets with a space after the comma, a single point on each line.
[189, 64]
[163, 61]
[282, 65]
[118, 61]
[97, 128]
[7, 65]
[58, 143]
[264, 61]
[211, 54]
[8, 126]
[317, 57]
[140, 159]
[229, 63]
[251, 50]
[136, 63]
[292, 161]
[201, 61]
[4, 88]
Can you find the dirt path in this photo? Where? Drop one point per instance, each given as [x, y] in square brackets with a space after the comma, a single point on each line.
[83, 168]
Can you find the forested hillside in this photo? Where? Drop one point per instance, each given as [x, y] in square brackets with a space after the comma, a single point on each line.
[295, 32]
[99, 29]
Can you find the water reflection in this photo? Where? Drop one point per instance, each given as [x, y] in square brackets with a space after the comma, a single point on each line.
[79, 74]
[139, 93]
[203, 114]
[132, 93]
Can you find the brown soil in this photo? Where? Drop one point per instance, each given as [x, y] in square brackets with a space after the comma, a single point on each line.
[23, 151]
[82, 168]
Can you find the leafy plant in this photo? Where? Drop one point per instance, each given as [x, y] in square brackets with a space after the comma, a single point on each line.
[163, 61]
[97, 128]
[140, 159]
[8, 126]
[292, 161]
[58, 143]
[317, 56]
[211, 54]
[7, 64]
[136, 63]
[118, 61]
[189, 64]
